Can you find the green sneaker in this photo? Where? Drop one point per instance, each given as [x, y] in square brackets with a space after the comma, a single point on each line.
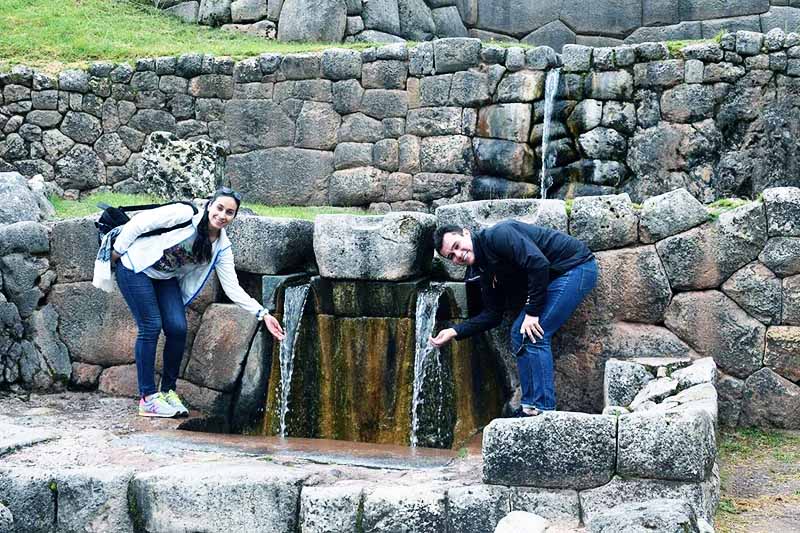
[157, 406]
[174, 400]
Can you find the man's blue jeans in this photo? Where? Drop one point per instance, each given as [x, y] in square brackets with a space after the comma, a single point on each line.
[155, 305]
[535, 360]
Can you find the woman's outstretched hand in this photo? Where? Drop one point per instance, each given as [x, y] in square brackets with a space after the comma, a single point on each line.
[274, 327]
[444, 336]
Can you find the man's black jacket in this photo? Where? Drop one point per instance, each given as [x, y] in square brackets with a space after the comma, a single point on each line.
[516, 262]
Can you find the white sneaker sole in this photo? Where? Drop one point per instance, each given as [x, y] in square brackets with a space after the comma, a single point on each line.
[158, 415]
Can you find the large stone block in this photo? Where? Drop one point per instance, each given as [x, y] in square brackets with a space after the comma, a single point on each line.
[382, 15]
[715, 9]
[614, 18]
[604, 222]
[26, 237]
[615, 85]
[522, 86]
[504, 158]
[485, 213]
[658, 74]
[384, 74]
[220, 347]
[702, 258]
[515, 18]
[263, 245]
[389, 247]
[413, 508]
[677, 447]
[660, 514]
[558, 505]
[19, 202]
[312, 20]
[668, 214]
[783, 351]
[454, 54]
[603, 143]
[384, 103]
[317, 126]
[510, 122]
[554, 449]
[783, 211]
[757, 290]
[74, 248]
[622, 381]
[476, 508]
[80, 169]
[716, 327]
[790, 312]
[450, 153]
[331, 508]
[254, 124]
[282, 176]
[782, 255]
[770, 401]
[245, 496]
[428, 121]
[357, 186]
[120, 380]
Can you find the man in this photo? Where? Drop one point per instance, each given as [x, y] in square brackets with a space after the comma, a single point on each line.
[544, 272]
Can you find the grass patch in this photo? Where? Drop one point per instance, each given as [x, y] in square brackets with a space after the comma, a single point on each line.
[715, 209]
[88, 206]
[676, 47]
[53, 34]
[750, 442]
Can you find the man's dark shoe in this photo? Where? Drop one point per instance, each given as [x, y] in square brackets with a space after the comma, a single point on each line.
[519, 412]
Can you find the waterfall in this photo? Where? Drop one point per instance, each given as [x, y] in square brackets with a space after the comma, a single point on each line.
[294, 301]
[550, 89]
[425, 354]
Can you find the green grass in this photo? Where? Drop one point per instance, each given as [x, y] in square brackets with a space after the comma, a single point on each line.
[750, 442]
[88, 206]
[715, 209]
[676, 47]
[52, 34]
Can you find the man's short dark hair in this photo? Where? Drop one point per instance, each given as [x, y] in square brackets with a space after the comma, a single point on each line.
[438, 235]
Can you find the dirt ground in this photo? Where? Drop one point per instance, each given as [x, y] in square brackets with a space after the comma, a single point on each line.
[760, 482]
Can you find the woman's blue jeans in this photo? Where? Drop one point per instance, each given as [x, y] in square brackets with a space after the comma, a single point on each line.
[155, 305]
[535, 360]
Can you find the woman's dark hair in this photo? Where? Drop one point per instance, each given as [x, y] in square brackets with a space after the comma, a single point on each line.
[201, 249]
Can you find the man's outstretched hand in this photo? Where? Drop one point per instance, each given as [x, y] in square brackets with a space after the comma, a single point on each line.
[274, 327]
[444, 336]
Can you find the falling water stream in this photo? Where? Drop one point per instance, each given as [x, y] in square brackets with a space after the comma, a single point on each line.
[548, 160]
[293, 303]
[425, 354]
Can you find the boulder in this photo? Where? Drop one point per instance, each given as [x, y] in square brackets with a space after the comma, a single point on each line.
[730, 400]
[703, 257]
[382, 15]
[218, 496]
[341, 64]
[554, 449]
[770, 401]
[27, 496]
[757, 290]
[384, 103]
[790, 313]
[44, 324]
[384, 74]
[214, 12]
[783, 351]
[25, 237]
[483, 214]
[85, 376]
[668, 214]
[449, 153]
[248, 10]
[254, 124]
[782, 255]
[558, 505]
[622, 381]
[317, 126]
[522, 86]
[674, 446]
[330, 508]
[701, 371]
[388, 247]
[604, 222]
[660, 514]
[416, 507]
[263, 245]
[783, 211]
[454, 54]
[688, 103]
[716, 327]
[357, 186]
[476, 508]
[178, 169]
[470, 88]
[510, 122]
[19, 203]
[312, 20]
[522, 522]
[429, 121]
[80, 169]
[504, 158]
[416, 20]
[654, 391]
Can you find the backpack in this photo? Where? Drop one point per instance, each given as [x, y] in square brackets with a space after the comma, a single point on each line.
[113, 217]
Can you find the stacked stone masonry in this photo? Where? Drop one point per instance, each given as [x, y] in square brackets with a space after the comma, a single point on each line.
[399, 128]
[553, 23]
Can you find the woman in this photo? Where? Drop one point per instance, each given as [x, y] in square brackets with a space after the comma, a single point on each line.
[160, 275]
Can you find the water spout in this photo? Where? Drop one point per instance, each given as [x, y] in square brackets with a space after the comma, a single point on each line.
[425, 354]
[294, 301]
[548, 160]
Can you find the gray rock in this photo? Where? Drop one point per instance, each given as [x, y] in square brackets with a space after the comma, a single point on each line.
[486, 213]
[517, 19]
[704, 257]
[44, 323]
[782, 255]
[214, 12]
[416, 20]
[350, 155]
[211, 86]
[504, 158]
[80, 169]
[354, 26]
[603, 143]
[511, 122]
[622, 381]
[678, 447]
[451, 153]
[783, 211]
[385, 155]
[748, 43]
[448, 22]
[782, 353]
[365, 240]
[44, 119]
[317, 126]
[300, 66]
[615, 19]
[23, 237]
[668, 214]
[384, 74]
[19, 202]
[454, 54]
[469, 89]
[341, 64]
[654, 391]
[435, 90]
[774, 39]
[382, 15]
[374, 36]
[701, 371]
[264, 245]
[476, 507]
[111, 149]
[694, 71]
[330, 508]
[430, 121]
[559, 505]
[616, 85]
[186, 11]
[347, 96]
[620, 116]
[791, 301]
[248, 10]
[360, 128]
[768, 400]
[554, 34]
[716, 327]
[420, 61]
[493, 188]
[416, 507]
[522, 522]
[380, 103]
[357, 186]
[312, 20]
[658, 514]
[170, 498]
[254, 124]
[281, 176]
[586, 116]
[757, 290]
[431, 186]
[149, 120]
[730, 400]
[522, 86]
[74, 80]
[515, 59]
[658, 74]
[555, 449]
[687, 103]
[73, 249]
[81, 127]
[604, 222]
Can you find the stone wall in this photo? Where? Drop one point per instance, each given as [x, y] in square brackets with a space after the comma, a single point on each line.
[549, 22]
[410, 129]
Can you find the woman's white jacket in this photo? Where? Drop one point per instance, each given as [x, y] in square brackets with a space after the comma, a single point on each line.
[143, 252]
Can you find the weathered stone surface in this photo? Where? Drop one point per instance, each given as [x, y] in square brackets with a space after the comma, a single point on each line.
[558, 505]
[470, 89]
[448, 22]
[659, 514]
[384, 74]
[80, 169]
[263, 245]
[504, 158]
[701, 371]
[522, 86]
[716, 327]
[483, 214]
[603, 143]
[312, 20]
[615, 85]
[604, 222]
[757, 290]
[505, 121]
[19, 202]
[359, 128]
[418, 508]
[476, 507]
[654, 391]
[330, 508]
[782, 255]
[688, 103]
[668, 214]
[622, 381]
[748, 43]
[493, 188]
[790, 313]
[783, 211]
[220, 347]
[341, 64]
[81, 127]
[512, 18]
[186, 11]
[255, 124]
[522, 522]
[351, 155]
[658, 74]
[281, 176]
[428, 121]
[783, 351]
[120, 380]
[214, 12]
[218, 496]
[555, 449]
[384, 103]
[768, 400]
[26, 237]
[382, 15]
[368, 240]
[416, 20]
[74, 248]
[451, 153]
[454, 54]
[730, 400]
[357, 186]
[317, 126]
[678, 447]
[704, 257]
